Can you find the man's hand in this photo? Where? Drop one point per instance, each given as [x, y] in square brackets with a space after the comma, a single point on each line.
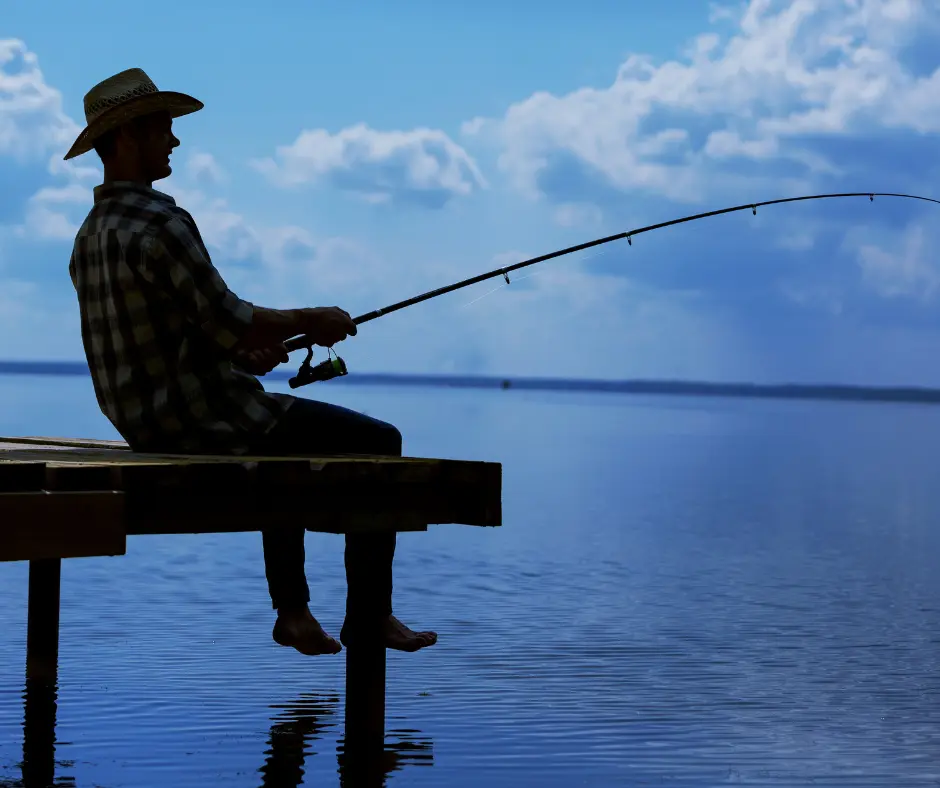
[260, 361]
[327, 325]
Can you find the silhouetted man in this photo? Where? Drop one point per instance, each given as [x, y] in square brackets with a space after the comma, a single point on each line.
[173, 353]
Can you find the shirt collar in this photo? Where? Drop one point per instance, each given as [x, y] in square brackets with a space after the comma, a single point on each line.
[117, 188]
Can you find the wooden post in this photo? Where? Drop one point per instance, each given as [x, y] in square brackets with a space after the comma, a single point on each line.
[42, 625]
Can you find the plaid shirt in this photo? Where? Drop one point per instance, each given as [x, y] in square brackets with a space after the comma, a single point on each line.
[158, 326]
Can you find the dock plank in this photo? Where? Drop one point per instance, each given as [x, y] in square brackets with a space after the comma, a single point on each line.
[276, 471]
[80, 443]
[44, 525]
[169, 494]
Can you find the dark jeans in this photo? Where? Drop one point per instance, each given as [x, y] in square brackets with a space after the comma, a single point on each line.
[309, 428]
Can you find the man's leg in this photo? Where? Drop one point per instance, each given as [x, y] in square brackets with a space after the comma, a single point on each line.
[310, 427]
[284, 566]
[284, 557]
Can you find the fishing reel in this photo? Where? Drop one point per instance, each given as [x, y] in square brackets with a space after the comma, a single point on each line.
[325, 370]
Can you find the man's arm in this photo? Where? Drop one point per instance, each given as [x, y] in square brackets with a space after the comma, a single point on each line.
[175, 261]
[260, 361]
[272, 326]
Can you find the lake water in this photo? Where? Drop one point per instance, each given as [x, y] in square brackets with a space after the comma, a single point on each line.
[685, 592]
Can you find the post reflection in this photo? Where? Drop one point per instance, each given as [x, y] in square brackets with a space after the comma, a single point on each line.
[312, 716]
[370, 766]
[295, 729]
[38, 766]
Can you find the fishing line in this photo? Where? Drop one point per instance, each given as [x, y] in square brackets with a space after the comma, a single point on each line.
[333, 368]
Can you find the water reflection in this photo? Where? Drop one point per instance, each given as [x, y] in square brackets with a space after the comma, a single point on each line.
[294, 730]
[362, 769]
[291, 740]
[39, 716]
[313, 716]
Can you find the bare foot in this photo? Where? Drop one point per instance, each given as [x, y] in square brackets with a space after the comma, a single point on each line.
[395, 634]
[400, 638]
[299, 629]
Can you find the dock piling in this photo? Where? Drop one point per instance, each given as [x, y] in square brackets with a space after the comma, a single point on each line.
[42, 623]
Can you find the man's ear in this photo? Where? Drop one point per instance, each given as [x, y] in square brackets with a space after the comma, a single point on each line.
[131, 133]
[127, 137]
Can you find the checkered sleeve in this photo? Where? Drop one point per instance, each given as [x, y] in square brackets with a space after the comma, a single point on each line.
[177, 261]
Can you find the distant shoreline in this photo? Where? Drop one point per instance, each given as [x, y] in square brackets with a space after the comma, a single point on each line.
[911, 394]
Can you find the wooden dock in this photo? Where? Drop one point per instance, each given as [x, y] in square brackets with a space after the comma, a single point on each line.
[72, 498]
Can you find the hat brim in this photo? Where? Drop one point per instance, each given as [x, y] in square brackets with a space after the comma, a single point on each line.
[177, 104]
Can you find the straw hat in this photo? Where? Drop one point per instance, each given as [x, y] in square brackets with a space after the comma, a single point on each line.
[122, 97]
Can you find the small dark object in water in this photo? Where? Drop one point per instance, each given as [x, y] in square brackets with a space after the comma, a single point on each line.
[506, 384]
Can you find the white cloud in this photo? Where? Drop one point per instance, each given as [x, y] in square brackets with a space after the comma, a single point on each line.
[912, 272]
[34, 127]
[817, 67]
[44, 224]
[204, 169]
[821, 297]
[725, 144]
[422, 165]
[32, 122]
[55, 213]
[577, 215]
[70, 194]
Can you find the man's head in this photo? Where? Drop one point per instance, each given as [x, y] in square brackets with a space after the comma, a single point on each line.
[129, 123]
[139, 149]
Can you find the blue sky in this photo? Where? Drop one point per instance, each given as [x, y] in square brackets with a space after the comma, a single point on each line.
[358, 156]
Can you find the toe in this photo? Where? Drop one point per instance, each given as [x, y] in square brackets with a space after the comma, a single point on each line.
[314, 646]
[307, 640]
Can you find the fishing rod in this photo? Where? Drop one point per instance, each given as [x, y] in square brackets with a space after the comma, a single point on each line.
[336, 367]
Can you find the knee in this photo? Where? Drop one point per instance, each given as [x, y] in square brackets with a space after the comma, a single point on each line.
[390, 440]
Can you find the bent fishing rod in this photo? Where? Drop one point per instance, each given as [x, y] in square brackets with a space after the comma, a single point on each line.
[336, 367]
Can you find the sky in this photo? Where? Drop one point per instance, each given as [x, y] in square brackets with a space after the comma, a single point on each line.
[356, 156]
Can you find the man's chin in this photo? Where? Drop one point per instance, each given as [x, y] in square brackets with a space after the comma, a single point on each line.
[165, 172]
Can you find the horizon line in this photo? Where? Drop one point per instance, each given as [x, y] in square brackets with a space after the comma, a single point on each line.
[820, 391]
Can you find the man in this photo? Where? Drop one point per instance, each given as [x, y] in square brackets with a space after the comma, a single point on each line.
[173, 353]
